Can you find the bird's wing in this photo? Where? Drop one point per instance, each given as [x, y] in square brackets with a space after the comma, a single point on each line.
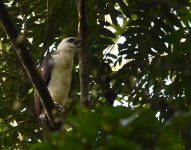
[45, 71]
[46, 67]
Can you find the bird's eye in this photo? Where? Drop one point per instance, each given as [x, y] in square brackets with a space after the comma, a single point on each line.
[71, 40]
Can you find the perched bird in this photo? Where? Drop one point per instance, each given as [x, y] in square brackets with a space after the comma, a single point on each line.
[56, 71]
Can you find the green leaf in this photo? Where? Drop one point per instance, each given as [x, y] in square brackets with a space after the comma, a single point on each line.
[107, 33]
[124, 8]
[112, 55]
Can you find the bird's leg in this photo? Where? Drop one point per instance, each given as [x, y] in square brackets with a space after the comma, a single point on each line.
[58, 119]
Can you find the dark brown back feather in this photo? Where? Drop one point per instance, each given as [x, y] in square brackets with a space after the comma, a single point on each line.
[45, 71]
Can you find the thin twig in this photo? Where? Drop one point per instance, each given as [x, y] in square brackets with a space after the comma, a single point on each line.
[47, 18]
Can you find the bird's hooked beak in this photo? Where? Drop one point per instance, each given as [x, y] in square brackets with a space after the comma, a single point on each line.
[78, 43]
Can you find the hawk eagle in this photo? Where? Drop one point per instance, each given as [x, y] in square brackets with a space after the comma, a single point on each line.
[56, 71]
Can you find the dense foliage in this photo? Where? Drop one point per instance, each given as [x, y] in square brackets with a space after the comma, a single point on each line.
[149, 73]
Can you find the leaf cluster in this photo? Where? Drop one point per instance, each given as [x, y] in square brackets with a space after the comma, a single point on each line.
[148, 72]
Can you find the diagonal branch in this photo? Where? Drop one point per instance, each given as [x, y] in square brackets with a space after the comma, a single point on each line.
[27, 63]
[82, 55]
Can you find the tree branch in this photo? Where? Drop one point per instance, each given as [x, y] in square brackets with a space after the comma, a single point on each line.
[82, 55]
[27, 63]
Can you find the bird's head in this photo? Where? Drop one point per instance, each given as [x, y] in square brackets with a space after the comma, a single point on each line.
[70, 44]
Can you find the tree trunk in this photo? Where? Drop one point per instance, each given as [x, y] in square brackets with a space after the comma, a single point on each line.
[82, 55]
